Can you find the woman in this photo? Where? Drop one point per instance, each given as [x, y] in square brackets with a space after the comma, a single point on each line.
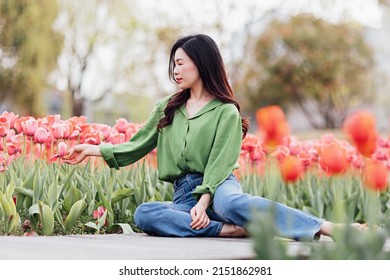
[198, 133]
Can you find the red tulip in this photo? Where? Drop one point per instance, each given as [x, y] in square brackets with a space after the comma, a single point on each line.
[291, 168]
[375, 175]
[272, 125]
[333, 158]
[360, 128]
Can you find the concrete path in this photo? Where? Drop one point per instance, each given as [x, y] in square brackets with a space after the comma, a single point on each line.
[122, 247]
[134, 247]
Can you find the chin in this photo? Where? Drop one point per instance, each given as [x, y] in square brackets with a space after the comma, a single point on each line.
[182, 87]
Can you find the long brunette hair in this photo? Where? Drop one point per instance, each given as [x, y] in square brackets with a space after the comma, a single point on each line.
[205, 54]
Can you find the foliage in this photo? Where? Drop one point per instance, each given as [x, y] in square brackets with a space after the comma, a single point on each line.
[349, 243]
[55, 195]
[28, 52]
[321, 67]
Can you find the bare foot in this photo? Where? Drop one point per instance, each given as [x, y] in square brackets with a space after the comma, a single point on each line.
[328, 228]
[233, 231]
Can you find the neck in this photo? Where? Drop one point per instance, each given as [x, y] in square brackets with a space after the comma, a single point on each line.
[199, 94]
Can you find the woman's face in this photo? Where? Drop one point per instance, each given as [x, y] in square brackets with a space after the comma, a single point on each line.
[185, 71]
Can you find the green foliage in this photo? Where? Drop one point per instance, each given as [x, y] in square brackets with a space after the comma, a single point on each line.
[321, 67]
[60, 199]
[349, 243]
[29, 49]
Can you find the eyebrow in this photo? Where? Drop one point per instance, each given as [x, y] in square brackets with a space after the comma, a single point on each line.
[180, 58]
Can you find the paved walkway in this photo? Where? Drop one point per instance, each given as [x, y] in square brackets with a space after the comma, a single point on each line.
[122, 247]
[133, 247]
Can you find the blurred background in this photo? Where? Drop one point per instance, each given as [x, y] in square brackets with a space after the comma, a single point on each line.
[106, 59]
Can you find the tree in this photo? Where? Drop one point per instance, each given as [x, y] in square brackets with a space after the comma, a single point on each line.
[321, 67]
[93, 30]
[28, 52]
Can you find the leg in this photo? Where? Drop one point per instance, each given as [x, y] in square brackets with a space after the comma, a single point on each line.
[169, 219]
[235, 207]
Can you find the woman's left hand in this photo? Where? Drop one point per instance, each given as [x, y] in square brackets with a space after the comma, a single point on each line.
[199, 217]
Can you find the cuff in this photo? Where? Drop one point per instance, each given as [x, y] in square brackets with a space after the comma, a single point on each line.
[201, 189]
[107, 151]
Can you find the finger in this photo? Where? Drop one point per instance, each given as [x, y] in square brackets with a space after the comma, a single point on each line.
[70, 153]
[200, 222]
[195, 216]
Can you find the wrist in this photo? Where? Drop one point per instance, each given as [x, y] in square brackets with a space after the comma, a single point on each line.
[202, 206]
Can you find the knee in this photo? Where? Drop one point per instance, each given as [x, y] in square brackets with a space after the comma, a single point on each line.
[228, 206]
[143, 215]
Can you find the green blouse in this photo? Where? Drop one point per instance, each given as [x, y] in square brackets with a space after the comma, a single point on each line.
[208, 143]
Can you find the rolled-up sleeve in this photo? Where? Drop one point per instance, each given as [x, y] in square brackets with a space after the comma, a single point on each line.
[142, 143]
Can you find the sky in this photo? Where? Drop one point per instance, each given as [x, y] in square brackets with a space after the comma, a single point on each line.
[366, 12]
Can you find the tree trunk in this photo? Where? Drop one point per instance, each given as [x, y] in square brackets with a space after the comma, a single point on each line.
[78, 107]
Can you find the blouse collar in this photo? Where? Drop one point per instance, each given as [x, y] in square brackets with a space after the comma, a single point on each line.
[207, 107]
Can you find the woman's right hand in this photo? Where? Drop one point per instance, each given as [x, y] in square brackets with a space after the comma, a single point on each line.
[78, 153]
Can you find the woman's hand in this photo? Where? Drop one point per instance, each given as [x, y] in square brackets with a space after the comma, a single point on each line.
[79, 152]
[199, 217]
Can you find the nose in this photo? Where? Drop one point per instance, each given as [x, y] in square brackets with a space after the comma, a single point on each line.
[175, 71]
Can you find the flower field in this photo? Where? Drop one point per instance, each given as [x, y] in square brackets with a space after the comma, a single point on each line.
[343, 180]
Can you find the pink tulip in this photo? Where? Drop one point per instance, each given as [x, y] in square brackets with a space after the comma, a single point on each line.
[41, 135]
[93, 138]
[61, 152]
[30, 126]
[3, 130]
[105, 130]
[99, 212]
[62, 149]
[58, 130]
[52, 119]
[121, 125]
[11, 117]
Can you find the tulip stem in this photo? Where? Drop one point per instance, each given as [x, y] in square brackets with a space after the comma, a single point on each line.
[31, 150]
[5, 145]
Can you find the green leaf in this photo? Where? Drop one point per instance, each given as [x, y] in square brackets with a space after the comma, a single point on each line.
[66, 181]
[27, 184]
[27, 192]
[92, 225]
[73, 195]
[47, 218]
[10, 190]
[74, 214]
[37, 187]
[139, 194]
[53, 195]
[58, 217]
[121, 194]
[13, 223]
[7, 207]
[102, 220]
[83, 185]
[34, 209]
[19, 201]
[126, 228]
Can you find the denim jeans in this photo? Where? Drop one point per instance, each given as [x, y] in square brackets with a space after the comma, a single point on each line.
[230, 206]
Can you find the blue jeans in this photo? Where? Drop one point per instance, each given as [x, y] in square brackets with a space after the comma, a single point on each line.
[230, 206]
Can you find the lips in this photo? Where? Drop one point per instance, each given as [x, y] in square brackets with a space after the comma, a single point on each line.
[178, 80]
